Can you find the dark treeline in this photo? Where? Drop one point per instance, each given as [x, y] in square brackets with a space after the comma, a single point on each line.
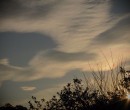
[93, 96]
[11, 107]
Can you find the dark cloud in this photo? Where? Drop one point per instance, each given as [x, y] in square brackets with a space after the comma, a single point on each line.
[64, 56]
[120, 7]
[10, 8]
[23, 8]
[118, 34]
[19, 48]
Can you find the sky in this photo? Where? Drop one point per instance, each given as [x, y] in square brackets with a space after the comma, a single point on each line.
[44, 44]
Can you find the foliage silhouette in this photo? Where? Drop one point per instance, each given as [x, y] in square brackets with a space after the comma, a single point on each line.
[97, 96]
[74, 96]
[8, 106]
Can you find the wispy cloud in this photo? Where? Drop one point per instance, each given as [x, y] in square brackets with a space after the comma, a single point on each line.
[76, 27]
[4, 61]
[7, 71]
[118, 34]
[28, 88]
[26, 9]
[67, 34]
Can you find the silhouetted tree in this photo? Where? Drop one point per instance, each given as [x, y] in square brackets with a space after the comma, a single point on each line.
[74, 96]
[8, 106]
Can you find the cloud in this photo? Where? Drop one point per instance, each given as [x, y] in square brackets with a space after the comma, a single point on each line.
[72, 25]
[47, 64]
[20, 48]
[4, 61]
[28, 9]
[118, 34]
[7, 71]
[28, 88]
[44, 87]
[120, 7]
[10, 7]
[70, 34]
[60, 56]
[75, 29]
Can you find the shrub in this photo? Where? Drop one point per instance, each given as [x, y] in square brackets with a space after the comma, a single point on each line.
[8, 106]
[75, 96]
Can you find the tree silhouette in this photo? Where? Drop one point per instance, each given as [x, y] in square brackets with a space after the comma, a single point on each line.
[75, 96]
[8, 106]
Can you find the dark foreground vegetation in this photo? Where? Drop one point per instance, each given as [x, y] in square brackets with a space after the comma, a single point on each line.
[10, 107]
[108, 91]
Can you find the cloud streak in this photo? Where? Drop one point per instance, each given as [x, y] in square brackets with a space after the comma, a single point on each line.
[28, 88]
[118, 34]
[28, 9]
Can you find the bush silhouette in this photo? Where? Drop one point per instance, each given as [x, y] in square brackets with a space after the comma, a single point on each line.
[97, 96]
[75, 96]
[8, 106]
